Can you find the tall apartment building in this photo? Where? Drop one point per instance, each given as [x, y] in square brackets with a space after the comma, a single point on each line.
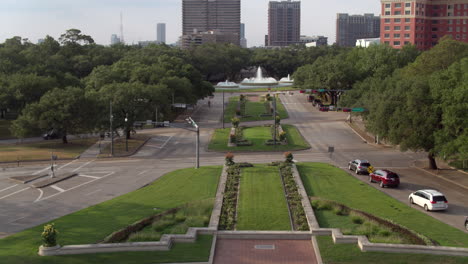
[221, 16]
[243, 40]
[349, 28]
[284, 23]
[161, 32]
[423, 22]
[115, 39]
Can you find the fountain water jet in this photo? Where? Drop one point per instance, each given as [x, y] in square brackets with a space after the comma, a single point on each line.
[259, 80]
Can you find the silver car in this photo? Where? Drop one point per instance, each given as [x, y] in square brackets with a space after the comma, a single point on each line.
[359, 166]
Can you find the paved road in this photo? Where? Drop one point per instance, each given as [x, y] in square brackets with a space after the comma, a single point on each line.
[22, 206]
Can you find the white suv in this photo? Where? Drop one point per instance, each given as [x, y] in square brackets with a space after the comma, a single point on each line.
[431, 200]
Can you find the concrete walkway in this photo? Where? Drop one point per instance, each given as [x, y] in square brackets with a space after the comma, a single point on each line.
[95, 150]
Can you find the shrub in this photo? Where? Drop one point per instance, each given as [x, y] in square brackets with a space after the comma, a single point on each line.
[289, 157]
[141, 237]
[277, 120]
[179, 229]
[49, 236]
[235, 122]
[357, 220]
[244, 164]
[229, 159]
[324, 206]
[162, 224]
[282, 136]
[242, 97]
[195, 221]
[232, 138]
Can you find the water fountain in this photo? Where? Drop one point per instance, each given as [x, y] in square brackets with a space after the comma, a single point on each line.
[286, 80]
[227, 84]
[259, 80]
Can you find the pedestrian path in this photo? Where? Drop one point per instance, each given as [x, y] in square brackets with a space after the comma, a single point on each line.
[95, 150]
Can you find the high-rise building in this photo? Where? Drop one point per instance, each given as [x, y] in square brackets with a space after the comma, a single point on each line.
[284, 23]
[115, 39]
[349, 28]
[423, 22]
[243, 40]
[221, 16]
[161, 32]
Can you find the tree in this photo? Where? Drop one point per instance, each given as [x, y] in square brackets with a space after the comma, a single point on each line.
[74, 36]
[65, 110]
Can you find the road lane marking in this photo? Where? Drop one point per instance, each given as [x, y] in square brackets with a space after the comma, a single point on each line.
[143, 172]
[89, 176]
[82, 165]
[76, 186]
[166, 142]
[39, 171]
[14, 193]
[57, 188]
[67, 164]
[8, 188]
[41, 193]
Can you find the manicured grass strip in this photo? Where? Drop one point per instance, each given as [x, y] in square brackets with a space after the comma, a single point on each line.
[94, 223]
[5, 129]
[328, 182]
[262, 205]
[253, 109]
[351, 254]
[258, 135]
[43, 150]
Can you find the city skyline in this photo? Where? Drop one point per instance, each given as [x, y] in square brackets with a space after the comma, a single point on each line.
[100, 19]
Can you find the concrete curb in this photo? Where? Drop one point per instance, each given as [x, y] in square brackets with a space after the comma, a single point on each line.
[313, 223]
[51, 181]
[214, 220]
[27, 179]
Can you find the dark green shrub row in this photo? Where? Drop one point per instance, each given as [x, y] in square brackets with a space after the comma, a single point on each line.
[240, 141]
[294, 198]
[227, 219]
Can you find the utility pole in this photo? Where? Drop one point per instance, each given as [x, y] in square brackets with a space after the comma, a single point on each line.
[222, 117]
[111, 130]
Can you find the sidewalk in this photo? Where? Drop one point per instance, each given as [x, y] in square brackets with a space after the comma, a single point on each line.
[95, 150]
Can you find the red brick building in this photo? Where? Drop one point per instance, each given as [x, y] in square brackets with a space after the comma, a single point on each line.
[423, 22]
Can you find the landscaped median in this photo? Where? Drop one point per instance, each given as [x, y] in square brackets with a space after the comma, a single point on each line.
[258, 136]
[253, 108]
[93, 224]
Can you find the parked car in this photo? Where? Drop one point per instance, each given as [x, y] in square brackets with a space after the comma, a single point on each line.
[310, 98]
[346, 109]
[323, 109]
[466, 223]
[359, 166]
[385, 178]
[430, 200]
[51, 134]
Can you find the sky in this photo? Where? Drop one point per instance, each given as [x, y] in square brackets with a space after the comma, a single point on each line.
[34, 19]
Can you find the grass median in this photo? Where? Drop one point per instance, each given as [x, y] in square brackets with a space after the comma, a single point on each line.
[351, 254]
[258, 136]
[94, 223]
[253, 110]
[262, 204]
[43, 150]
[328, 182]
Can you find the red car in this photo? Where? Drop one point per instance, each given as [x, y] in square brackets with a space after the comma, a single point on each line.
[346, 109]
[323, 109]
[385, 178]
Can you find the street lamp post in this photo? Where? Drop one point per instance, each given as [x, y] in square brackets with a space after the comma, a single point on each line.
[222, 117]
[111, 117]
[197, 142]
[126, 133]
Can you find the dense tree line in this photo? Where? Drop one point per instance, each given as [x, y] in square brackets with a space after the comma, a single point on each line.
[418, 101]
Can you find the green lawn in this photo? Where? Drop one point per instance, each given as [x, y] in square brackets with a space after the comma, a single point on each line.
[253, 110]
[351, 254]
[262, 205]
[328, 182]
[43, 150]
[5, 129]
[94, 223]
[258, 136]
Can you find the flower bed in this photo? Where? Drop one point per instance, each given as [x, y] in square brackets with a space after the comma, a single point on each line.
[293, 198]
[227, 219]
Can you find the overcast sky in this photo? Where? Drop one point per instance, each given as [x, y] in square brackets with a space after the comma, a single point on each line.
[35, 19]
